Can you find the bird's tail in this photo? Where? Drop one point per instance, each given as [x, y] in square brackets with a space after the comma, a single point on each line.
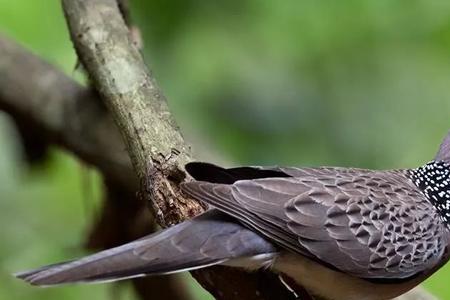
[209, 239]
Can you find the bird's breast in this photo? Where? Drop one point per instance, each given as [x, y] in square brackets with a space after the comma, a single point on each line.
[335, 285]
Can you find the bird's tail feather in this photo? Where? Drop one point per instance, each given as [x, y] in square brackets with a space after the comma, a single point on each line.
[209, 239]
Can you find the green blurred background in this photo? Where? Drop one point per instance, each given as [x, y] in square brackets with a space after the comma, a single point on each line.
[307, 83]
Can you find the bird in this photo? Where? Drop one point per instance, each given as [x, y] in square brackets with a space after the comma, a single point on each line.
[341, 233]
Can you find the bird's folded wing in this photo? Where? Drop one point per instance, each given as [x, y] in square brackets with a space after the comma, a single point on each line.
[366, 223]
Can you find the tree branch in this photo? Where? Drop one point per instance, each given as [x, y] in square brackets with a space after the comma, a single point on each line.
[63, 111]
[103, 44]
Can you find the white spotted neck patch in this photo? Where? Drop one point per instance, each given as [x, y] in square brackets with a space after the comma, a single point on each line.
[433, 179]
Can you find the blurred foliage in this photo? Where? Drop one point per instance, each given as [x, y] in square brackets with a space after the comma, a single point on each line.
[350, 83]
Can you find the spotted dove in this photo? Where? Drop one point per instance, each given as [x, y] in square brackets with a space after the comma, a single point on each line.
[342, 233]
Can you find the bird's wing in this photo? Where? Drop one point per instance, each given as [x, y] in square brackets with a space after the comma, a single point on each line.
[366, 223]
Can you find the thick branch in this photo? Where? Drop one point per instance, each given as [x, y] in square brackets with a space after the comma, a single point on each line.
[103, 44]
[105, 48]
